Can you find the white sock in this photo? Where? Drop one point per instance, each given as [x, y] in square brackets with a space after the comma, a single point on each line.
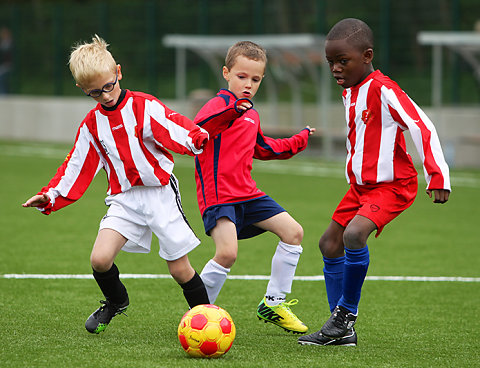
[213, 276]
[284, 264]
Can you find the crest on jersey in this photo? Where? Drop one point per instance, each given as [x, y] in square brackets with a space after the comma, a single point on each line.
[366, 114]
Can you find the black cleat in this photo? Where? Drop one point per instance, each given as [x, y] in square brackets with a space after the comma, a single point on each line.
[339, 323]
[316, 338]
[99, 320]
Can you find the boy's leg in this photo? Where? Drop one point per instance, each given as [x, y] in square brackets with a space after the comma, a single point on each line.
[106, 274]
[214, 274]
[332, 248]
[190, 281]
[357, 260]
[273, 307]
[287, 254]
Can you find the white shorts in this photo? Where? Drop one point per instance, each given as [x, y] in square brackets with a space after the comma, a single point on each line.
[141, 211]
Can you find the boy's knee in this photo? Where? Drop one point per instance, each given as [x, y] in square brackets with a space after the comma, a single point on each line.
[354, 238]
[226, 259]
[100, 264]
[330, 247]
[294, 235]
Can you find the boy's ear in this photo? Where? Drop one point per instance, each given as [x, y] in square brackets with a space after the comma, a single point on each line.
[368, 56]
[119, 70]
[225, 72]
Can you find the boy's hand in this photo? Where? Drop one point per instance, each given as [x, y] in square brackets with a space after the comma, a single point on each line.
[244, 105]
[440, 195]
[312, 130]
[37, 200]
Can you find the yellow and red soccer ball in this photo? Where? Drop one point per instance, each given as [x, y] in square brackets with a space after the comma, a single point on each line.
[206, 331]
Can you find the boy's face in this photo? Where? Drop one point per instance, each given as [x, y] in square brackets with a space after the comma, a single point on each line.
[348, 64]
[244, 77]
[104, 82]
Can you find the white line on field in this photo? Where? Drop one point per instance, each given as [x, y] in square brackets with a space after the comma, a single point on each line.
[242, 277]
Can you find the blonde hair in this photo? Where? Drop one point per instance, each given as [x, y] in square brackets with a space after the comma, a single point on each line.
[90, 60]
[245, 48]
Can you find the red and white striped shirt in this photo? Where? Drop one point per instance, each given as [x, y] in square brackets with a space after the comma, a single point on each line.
[377, 114]
[130, 143]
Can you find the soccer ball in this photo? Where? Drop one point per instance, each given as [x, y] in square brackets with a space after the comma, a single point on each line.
[206, 331]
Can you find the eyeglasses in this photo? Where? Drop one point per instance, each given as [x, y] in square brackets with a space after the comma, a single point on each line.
[106, 88]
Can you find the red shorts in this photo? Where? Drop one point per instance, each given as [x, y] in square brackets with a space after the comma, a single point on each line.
[380, 203]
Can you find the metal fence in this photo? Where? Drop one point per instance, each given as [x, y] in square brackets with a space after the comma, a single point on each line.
[44, 31]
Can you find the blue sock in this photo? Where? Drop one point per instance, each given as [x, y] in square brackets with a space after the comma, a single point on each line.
[333, 273]
[356, 266]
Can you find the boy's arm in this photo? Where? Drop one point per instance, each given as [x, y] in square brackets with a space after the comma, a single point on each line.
[280, 149]
[215, 116]
[71, 179]
[425, 137]
[174, 131]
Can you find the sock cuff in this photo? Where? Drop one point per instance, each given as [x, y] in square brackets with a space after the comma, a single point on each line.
[361, 255]
[217, 266]
[194, 282]
[296, 249]
[334, 261]
[112, 272]
[333, 265]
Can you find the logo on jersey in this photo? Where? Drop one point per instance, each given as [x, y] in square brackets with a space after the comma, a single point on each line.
[366, 115]
[104, 147]
[374, 208]
[117, 127]
[250, 120]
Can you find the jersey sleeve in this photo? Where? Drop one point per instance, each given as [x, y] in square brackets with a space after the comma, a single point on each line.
[424, 135]
[216, 115]
[75, 174]
[267, 148]
[174, 131]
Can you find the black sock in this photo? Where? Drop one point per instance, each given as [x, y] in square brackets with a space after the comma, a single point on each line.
[195, 292]
[111, 286]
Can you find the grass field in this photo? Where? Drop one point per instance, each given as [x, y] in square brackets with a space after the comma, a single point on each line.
[400, 324]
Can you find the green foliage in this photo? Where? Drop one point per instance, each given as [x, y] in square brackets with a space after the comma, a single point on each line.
[401, 324]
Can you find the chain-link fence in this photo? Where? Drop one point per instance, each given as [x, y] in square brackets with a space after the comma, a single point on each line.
[43, 32]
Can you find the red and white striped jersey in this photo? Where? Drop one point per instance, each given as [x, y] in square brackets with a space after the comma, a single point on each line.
[378, 111]
[130, 143]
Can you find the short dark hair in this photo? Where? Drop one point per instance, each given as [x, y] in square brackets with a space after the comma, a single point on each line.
[354, 31]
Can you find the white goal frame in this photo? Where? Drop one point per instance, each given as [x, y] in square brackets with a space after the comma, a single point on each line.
[466, 44]
[287, 54]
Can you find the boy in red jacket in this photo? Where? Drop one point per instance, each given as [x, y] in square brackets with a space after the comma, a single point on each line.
[231, 205]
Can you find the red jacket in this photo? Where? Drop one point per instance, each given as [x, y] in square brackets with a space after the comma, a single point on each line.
[223, 170]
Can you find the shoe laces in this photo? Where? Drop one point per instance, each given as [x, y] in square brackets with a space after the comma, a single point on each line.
[287, 305]
[111, 308]
[340, 317]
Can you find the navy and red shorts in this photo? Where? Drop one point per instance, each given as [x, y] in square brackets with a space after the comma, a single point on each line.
[380, 202]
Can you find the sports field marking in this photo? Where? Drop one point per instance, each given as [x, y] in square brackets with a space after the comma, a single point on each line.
[325, 170]
[242, 277]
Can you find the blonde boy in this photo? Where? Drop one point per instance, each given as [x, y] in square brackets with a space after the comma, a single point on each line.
[128, 134]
